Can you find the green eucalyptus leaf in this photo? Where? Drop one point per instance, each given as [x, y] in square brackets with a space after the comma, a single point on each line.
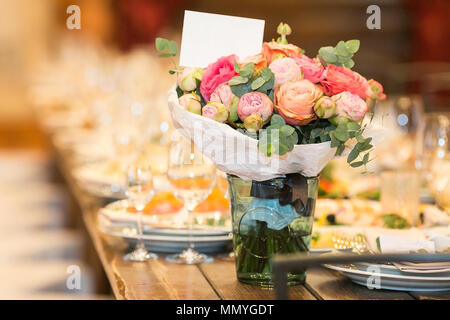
[267, 74]
[341, 49]
[237, 67]
[277, 119]
[161, 43]
[352, 45]
[237, 80]
[172, 48]
[366, 158]
[353, 155]
[341, 133]
[327, 53]
[257, 83]
[240, 89]
[356, 164]
[287, 130]
[247, 70]
[165, 55]
[349, 64]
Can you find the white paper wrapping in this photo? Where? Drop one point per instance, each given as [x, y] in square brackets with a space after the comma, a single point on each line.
[235, 153]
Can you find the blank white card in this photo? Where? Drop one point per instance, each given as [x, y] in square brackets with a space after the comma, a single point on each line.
[207, 37]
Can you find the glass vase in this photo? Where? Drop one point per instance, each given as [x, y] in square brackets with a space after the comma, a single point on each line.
[270, 217]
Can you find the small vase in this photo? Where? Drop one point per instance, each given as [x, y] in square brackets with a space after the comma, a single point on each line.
[270, 217]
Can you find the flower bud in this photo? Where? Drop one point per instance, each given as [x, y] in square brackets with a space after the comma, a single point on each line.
[215, 111]
[253, 123]
[284, 29]
[191, 103]
[325, 107]
[188, 79]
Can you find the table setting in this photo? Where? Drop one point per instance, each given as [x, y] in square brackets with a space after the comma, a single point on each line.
[252, 154]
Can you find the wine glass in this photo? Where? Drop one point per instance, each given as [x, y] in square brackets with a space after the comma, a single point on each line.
[139, 192]
[192, 177]
[434, 156]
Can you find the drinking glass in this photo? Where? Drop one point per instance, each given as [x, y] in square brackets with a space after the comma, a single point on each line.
[400, 194]
[139, 192]
[434, 156]
[192, 177]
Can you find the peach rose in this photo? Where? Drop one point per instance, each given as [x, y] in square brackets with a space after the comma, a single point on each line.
[285, 69]
[255, 103]
[273, 50]
[294, 101]
[338, 79]
[259, 60]
[375, 90]
[349, 105]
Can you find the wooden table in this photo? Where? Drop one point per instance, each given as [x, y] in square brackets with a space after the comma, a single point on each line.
[159, 279]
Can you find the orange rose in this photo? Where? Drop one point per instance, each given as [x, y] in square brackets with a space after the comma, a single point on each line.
[294, 101]
[273, 50]
[258, 59]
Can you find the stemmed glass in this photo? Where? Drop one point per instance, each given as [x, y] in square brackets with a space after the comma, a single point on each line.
[434, 156]
[192, 177]
[139, 192]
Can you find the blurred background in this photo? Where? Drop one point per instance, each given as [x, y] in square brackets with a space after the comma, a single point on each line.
[41, 61]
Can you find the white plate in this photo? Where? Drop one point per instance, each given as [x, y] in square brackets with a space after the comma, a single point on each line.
[392, 279]
[171, 243]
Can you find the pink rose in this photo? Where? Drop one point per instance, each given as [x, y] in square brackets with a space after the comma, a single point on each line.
[217, 73]
[294, 101]
[215, 111]
[255, 103]
[191, 102]
[285, 69]
[223, 94]
[375, 90]
[349, 105]
[338, 79]
[311, 68]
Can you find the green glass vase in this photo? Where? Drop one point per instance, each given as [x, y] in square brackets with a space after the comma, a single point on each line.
[270, 217]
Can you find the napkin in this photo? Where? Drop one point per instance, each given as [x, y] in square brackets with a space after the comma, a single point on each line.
[398, 244]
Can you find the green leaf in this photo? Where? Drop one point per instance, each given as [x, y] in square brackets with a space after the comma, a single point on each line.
[341, 133]
[349, 64]
[241, 89]
[353, 155]
[165, 55]
[172, 48]
[334, 141]
[356, 164]
[287, 130]
[232, 110]
[277, 119]
[161, 43]
[352, 45]
[257, 83]
[366, 158]
[237, 80]
[353, 126]
[247, 70]
[266, 74]
[328, 54]
[341, 49]
[237, 67]
[340, 149]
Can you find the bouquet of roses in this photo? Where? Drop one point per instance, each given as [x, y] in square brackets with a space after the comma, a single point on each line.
[279, 102]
